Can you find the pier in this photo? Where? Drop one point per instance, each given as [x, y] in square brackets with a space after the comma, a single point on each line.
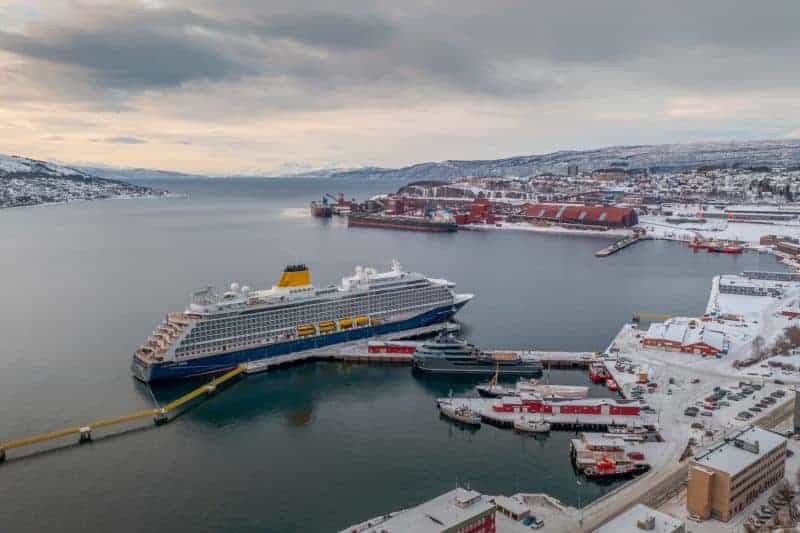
[619, 245]
[565, 422]
[159, 415]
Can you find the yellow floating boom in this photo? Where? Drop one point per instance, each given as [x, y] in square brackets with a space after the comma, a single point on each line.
[111, 421]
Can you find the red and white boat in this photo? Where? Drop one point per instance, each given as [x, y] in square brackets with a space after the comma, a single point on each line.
[598, 373]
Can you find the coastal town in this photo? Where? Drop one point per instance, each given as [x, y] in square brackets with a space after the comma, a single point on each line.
[29, 182]
[705, 421]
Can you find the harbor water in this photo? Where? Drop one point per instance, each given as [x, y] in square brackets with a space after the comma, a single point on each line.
[309, 448]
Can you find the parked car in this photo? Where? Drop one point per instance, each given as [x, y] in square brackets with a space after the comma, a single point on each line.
[705, 413]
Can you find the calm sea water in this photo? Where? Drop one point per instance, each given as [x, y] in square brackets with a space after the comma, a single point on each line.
[314, 447]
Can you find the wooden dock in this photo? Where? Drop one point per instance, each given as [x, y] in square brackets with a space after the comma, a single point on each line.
[619, 245]
[160, 415]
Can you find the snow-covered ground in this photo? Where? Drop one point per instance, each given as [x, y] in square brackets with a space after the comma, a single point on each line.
[554, 230]
[659, 228]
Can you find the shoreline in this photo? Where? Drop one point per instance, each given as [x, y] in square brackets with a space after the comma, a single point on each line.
[166, 195]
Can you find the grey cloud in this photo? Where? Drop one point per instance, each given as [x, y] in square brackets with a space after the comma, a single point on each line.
[135, 48]
[302, 57]
[122, 140]
[333, 30]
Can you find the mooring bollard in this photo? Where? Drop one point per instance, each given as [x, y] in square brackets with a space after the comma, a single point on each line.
[161, 417]
[86, 434]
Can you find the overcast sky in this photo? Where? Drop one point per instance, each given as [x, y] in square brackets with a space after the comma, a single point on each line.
[247, 86]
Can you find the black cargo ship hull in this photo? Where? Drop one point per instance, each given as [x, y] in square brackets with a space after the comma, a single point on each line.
[401, 223]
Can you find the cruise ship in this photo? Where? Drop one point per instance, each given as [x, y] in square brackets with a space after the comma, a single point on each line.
[219, 331]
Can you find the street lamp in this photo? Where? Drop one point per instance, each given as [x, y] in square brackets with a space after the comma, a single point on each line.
[580, 507]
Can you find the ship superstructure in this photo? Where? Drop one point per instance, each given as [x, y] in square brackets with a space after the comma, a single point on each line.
[220, 330]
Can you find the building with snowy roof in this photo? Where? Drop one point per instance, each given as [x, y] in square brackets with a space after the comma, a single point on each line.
[728, 477]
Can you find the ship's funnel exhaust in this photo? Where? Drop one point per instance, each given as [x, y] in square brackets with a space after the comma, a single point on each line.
[295, 276]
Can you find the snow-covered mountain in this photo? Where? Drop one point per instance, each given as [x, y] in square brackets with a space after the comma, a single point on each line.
[16, 165]
[26, 182]
[782, 153]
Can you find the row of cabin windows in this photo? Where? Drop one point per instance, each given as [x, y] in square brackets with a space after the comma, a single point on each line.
[252, 327]
[327, 311]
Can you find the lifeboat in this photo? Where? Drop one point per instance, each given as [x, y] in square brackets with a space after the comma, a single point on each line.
[375, 321]
[326, 326]
[362, 321]
[305, 330]
[345, 323]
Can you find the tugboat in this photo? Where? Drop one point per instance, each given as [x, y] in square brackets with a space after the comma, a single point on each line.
[598, 373]
[449, 355]
[460, 413]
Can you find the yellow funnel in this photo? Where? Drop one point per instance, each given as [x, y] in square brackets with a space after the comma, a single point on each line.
[295, 276]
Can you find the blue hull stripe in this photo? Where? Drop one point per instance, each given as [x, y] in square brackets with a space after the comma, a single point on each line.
[224, 361]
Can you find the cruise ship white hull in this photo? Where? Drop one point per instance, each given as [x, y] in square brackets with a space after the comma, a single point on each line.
[166, 370]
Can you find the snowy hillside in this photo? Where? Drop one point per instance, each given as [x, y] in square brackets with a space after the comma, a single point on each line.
[12, 164]
[666, 157]
[25, 182]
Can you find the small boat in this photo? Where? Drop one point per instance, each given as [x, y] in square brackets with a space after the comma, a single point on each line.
[460, 413]
[529, 425]
[634, 430]
[729, 249]
[606, 467]
[556, 392]
[495, 391]
[598, 373]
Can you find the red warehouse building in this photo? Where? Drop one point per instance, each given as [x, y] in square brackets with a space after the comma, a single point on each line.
[612, 217]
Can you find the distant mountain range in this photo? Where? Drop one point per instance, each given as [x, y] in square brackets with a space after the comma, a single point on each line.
[134, 173]
[664, 157]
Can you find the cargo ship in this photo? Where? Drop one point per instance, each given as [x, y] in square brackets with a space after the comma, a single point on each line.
[403, 222]
[321, 209]
[219, 331]
[448, 355]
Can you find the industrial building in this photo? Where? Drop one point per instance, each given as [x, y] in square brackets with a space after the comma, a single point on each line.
[728, 477]
[731, 284]
[641, 518]
[581, 214]
[459, 510]
[682, 335]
